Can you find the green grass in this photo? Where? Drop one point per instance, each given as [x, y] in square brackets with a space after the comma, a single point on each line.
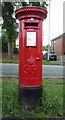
[17, 61]
[50, 62]
[52, 101]
[0, 96]
[8, 61]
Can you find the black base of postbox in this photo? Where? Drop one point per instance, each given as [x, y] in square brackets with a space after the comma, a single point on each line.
[30, 97]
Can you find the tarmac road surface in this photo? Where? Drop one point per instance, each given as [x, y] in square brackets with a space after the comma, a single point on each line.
[51, 71]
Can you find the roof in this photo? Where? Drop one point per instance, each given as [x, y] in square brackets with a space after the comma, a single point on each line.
[61, 36]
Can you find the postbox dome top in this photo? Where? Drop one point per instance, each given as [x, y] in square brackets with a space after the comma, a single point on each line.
[31, 12]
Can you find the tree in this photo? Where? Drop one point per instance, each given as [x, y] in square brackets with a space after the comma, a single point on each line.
[4, 41]
[23, 4]
[46, 47]
[9, 26]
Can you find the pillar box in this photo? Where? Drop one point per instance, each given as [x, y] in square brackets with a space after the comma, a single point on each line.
[30, 55]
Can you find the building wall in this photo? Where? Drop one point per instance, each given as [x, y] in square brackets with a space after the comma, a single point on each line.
[64, 45]
[52, 46]
[58, 45]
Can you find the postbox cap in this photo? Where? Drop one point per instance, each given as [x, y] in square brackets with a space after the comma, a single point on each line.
[31, 12]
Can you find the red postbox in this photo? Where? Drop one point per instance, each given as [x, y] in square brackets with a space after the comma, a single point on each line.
[30, 54]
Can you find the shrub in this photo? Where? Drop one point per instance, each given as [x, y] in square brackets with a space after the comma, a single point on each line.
[15, 51]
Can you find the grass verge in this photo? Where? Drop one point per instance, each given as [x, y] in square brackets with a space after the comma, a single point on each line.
[0, 96]
[50, 62]
[45, 62]
[8, 61]
[52, 100]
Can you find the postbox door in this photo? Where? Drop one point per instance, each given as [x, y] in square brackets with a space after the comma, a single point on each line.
[31, 57]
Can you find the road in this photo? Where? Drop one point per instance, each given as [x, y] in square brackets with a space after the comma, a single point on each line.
[11, 70]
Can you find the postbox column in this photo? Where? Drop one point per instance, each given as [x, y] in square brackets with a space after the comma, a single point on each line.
[30, 55]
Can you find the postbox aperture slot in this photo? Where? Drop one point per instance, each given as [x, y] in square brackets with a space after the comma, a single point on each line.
[31, 38]
[31, 24]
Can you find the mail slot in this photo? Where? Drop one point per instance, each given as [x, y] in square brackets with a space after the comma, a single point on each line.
[30, 55]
